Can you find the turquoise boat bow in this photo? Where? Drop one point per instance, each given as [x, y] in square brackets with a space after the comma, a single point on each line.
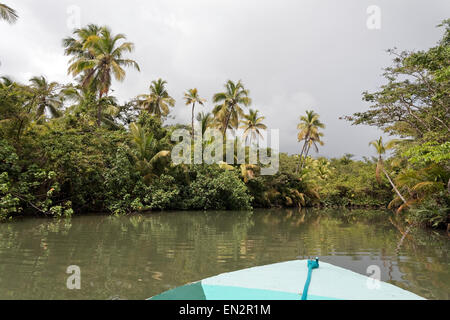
[292, 280]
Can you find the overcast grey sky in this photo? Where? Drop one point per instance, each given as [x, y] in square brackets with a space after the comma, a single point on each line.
[292, 55]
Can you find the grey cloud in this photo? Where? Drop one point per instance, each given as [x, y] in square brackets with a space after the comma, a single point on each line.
[292, 55]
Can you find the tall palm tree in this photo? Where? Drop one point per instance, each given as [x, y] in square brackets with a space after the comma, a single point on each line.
[308, 132]
[102, 59]
[158, 101]
[232, 101]
[47, 96]
[381, 149]
[252, 124]
[191, 97]
[84, 95]
[8, 14]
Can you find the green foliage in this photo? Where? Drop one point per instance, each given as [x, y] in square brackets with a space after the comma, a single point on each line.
[287, 188]
[433, 213]
[9, 204]
[214, 188]
[28, 188]
[163, 193]
[95, 154]
[208, 188]
[127, 192]
[9, 169]
[353, 183]
[429, 152]
[123, 184]
[413, 104]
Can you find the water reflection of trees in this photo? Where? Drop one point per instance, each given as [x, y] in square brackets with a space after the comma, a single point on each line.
[139, 256]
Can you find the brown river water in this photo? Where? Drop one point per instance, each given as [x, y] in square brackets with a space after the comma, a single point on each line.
[136, 257]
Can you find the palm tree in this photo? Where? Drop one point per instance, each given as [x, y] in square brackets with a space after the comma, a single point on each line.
[233, 99]
[5, 82]
[80, 96]
[100, 58]
[314, 140]
[220, 120]
[8, 14]
[84, 95]
[252, 125]
[309, 133]
[381, 149]
[192, 97]
[77, 46]
[206, 121]
[47, 96]
[158, 101]
[86, 102]
[17, 106]
[147, 158]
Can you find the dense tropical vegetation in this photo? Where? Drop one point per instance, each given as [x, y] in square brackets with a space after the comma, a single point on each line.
[71, 148]
[414, 105]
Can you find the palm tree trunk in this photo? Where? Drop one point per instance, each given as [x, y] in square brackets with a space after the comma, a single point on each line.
[301, 155]
[228, 121]
[226, 125]
[306, 156]
[393, 186]
[193, 107]
[99, 110]
[307, 150]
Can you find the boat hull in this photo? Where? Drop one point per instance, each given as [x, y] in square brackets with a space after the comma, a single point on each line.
[285, 281]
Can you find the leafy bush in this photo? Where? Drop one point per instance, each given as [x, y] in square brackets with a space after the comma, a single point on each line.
[214, 188]
[28, 188]
[431, 212]
[353, 183]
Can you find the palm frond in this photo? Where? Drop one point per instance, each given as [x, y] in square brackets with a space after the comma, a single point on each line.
[8, 14]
